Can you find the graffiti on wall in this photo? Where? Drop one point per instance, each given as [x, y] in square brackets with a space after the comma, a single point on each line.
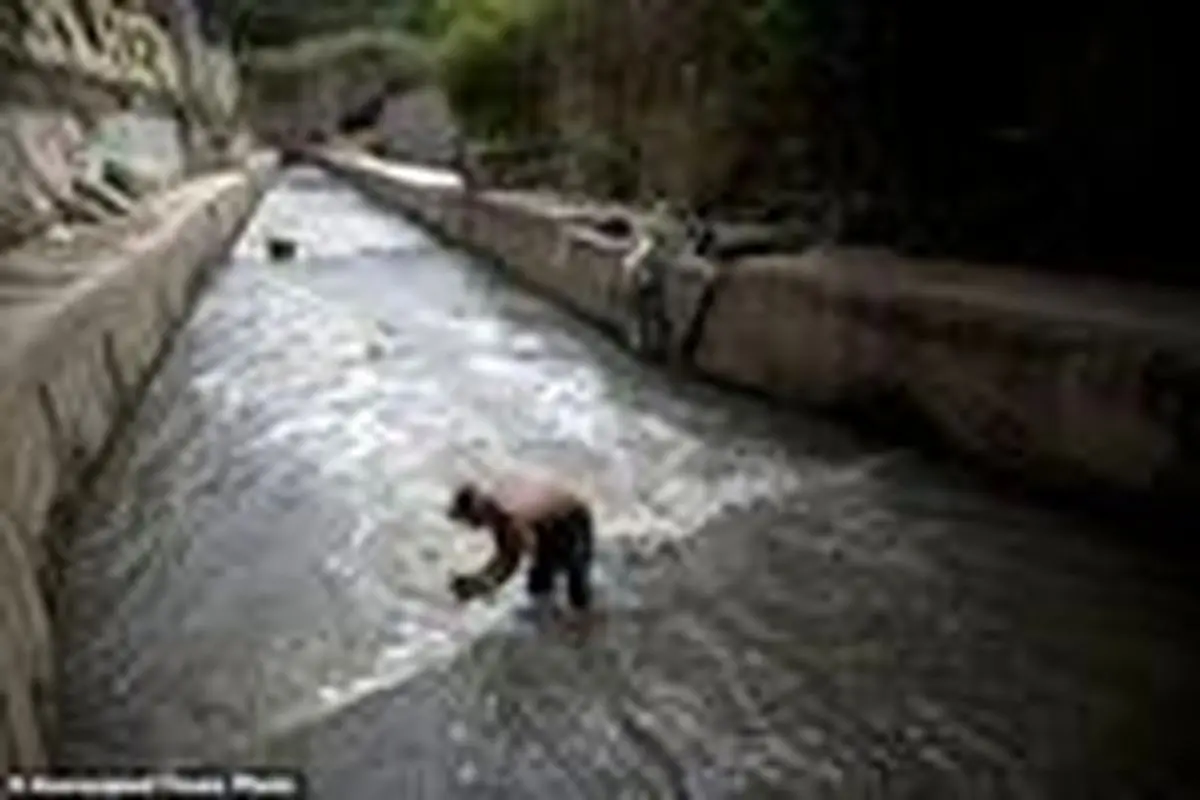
[112, 40]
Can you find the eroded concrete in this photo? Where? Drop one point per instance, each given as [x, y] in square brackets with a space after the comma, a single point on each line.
[82, 320]
[792, 612]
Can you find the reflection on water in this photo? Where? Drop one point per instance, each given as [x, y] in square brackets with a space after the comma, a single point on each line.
[262, 573]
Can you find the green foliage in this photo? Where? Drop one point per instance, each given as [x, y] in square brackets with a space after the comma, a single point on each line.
[280, 74]
[254, 24]
[491, 56]
[511, 68]
[608, 165]
[494, 61]
[904, 103]
[782, 33]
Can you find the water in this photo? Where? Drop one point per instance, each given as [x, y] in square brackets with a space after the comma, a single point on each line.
[790, 611]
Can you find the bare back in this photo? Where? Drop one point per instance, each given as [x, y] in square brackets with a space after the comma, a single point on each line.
[533, 499]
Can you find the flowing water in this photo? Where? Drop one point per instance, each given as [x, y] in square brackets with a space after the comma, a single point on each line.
[790, 611]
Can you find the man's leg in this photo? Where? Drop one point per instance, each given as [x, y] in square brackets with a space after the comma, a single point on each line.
[540, 583]
[579, 586]
[579, 565]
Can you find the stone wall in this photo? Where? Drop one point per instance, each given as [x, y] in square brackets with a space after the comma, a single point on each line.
[101, 41]
[1071, 382]
[84, 80]
[82, 321]
[148, 145]
[37, 147]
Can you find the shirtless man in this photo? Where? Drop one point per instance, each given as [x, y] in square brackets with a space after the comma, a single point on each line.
[547, 521]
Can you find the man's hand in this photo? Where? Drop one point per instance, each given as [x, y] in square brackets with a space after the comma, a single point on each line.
[467, 587]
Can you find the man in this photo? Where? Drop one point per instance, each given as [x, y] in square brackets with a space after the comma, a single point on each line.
[660, 239]
[549, 522]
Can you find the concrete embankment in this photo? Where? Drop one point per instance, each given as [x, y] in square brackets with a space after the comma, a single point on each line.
[1069, 382]
[83, 320]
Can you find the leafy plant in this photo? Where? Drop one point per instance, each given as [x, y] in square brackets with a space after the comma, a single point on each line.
[495, 62]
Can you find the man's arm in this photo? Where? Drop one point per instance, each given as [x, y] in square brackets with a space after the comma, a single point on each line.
[494, 574]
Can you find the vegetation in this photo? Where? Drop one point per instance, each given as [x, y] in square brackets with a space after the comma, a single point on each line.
[254, 24]
[281, 74]
[1044, 132]
[1019, 131]
[496, 64]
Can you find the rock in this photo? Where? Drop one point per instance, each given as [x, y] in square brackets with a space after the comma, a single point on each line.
[138, 151]
[39, 148]
[103, 196]
[617, 226]
[60, 234]
[125, 179]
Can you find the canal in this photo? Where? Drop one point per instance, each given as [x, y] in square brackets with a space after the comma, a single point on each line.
[259, 576]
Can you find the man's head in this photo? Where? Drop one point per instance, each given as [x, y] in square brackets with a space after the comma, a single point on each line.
[469, 506]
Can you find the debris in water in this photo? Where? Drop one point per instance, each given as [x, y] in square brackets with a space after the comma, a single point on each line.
[281, 249]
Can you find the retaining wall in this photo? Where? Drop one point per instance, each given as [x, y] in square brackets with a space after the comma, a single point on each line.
[82, 323]
[1066, 381]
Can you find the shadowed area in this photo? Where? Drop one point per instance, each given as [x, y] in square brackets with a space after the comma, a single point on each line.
[260, 574]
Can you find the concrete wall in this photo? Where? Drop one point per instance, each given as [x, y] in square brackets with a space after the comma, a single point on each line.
[578, 267]
[1066, 381]
[81, 324]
